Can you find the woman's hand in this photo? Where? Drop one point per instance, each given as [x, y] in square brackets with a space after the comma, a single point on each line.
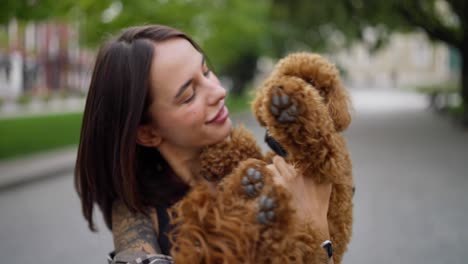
[310, 199]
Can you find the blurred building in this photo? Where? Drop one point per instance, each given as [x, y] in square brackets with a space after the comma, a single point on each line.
[407, 60]
[41, 57]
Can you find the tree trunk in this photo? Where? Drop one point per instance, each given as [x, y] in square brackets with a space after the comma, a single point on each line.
[242, 71]
[464, 83]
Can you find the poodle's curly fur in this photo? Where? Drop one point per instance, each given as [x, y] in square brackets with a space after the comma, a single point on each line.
[240, 215]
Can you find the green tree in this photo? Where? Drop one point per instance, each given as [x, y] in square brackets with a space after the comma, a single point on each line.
[445, 21]
[441, 20]
[25, 10]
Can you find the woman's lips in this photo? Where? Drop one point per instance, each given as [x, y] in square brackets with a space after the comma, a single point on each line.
[221, 116]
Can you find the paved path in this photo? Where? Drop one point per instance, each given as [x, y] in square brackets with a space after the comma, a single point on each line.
[37, 166]
[411, 171]
[411, 204]
[42, 223]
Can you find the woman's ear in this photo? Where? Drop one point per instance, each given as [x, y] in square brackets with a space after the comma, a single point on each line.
[148, 136]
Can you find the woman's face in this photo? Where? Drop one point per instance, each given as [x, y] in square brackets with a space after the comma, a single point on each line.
[188, 108]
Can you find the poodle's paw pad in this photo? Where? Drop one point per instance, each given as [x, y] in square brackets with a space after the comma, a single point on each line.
[266, 210]
[252, 182]
[282, 106]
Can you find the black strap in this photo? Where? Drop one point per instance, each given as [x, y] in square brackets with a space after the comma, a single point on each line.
[164, 229]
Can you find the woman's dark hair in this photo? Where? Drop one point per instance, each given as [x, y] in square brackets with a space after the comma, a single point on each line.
[110, 164]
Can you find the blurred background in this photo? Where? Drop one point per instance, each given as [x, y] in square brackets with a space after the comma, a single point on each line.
[404, 63]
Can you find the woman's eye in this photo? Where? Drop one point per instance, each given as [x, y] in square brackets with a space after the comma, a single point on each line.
[207, 72]
[190, 98]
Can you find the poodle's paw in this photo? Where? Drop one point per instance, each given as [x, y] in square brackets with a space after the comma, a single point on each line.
[268, 202]
[247, 181]
[252, 190]
[266, 210]
[252, 182]
[283, 107]
[289, 105]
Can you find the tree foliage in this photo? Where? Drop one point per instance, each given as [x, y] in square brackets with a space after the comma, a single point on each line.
[340, 22]
[233, 33]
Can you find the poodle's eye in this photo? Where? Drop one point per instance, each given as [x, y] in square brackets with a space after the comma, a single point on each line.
[323, 93]
[311, 82]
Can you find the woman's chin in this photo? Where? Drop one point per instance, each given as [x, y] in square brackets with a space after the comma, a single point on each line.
[223, 132]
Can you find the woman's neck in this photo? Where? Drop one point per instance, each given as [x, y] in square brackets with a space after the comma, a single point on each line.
[184, 162]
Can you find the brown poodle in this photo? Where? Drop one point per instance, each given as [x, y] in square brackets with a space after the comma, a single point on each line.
[241, 216]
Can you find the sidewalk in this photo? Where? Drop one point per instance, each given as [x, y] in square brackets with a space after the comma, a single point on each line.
[40, 107]
[18, 171]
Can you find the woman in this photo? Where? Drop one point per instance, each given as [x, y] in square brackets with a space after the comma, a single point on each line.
[153, 104]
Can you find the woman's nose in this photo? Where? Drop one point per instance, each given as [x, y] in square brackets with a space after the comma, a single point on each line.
[216, 92]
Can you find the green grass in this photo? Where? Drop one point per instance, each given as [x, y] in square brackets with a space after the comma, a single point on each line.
[446, 87]
[456, 110]
[28, 135]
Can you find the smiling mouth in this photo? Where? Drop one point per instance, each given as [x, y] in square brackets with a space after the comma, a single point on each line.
[220, 116]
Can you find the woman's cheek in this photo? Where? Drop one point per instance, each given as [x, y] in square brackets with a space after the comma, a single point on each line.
[193, 116]
[196, 112]
[193, 109]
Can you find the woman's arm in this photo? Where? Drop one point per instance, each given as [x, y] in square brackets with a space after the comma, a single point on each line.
[134, 232]
[310, 199]
[135, 237]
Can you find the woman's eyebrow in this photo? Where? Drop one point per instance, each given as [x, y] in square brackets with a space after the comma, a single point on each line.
[187, 83]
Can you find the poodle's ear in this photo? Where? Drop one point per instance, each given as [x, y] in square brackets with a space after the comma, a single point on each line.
[256, 107]
[339, 106]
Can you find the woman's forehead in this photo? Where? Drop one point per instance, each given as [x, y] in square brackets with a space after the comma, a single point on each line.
[173, 48]
[174, 62]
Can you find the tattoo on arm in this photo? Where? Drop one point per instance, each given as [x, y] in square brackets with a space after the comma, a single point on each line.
[133, 232]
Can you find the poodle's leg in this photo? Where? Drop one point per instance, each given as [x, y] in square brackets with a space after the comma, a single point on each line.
[280, 238]
[297, 118]
[340, 219]
[222, 227]
[248, 220]
[188, 217]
